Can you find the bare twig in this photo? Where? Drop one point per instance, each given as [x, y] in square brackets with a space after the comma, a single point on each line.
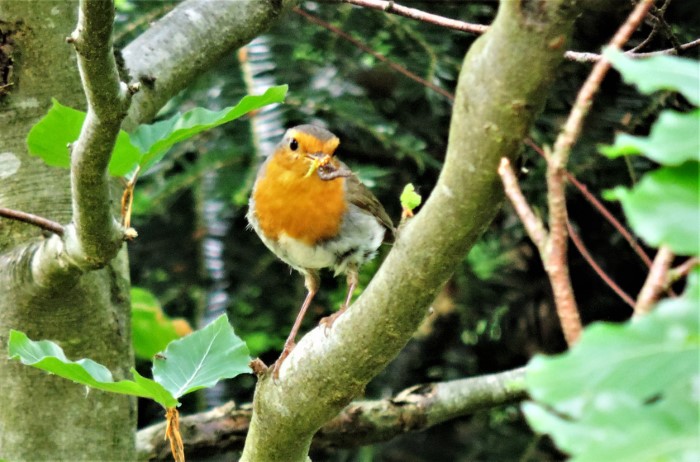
[454, 24]
[682, 270]
[581, 247]
[656, 282]
[555, 259]
[392, 7]
[397, 67]
[583, 189]
[670, 51]
[41, 222]
[572, 128]
[557, 272]
[533, 224]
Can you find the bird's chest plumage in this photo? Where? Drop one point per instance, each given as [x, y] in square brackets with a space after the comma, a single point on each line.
[286, 202]
[307, 222]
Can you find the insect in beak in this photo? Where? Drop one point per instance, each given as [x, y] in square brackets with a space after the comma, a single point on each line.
[317, 160]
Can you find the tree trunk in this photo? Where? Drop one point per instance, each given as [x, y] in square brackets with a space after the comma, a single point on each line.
[44, 417]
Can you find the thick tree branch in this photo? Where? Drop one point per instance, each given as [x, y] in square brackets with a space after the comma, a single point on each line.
[417, 408]
[495, 105]
[98, 234]
[94, 237]
[177, 48]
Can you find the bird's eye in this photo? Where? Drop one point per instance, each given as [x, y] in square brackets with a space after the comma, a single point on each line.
[293, 145]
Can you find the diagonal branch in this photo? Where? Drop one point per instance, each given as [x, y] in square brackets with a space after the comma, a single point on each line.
[361, 423]
[491, 117]
[412, 13]
[173, 52]
[656, 282]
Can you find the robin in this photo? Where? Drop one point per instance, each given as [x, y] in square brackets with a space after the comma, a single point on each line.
[313, 213]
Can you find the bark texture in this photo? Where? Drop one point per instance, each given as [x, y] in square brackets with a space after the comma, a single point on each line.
[502, 86]
[43, 417]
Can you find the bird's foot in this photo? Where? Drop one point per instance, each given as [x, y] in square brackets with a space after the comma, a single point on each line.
[288, 347]
[328, 321]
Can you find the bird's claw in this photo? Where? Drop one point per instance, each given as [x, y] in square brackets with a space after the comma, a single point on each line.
[328, 321]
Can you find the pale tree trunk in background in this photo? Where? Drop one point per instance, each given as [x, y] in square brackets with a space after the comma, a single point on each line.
[44, 417]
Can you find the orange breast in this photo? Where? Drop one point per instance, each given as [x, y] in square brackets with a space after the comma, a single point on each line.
[307, 209]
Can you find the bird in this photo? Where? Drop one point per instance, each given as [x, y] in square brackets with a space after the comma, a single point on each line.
[313, 212]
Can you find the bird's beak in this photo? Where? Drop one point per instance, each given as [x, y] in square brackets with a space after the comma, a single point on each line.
[318, 159]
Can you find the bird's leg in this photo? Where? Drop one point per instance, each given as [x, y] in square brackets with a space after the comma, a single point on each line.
[312, 283]
[353, 277]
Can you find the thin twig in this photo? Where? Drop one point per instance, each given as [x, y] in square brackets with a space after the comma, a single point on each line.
[670, 51]
[682, 270]
[558, 275]
[533, 224]
[572, 128]
[392, 7]
[462, 26]
[24, 217]
[583, 189]
[397, 67]
[656, 282]
[581, 247]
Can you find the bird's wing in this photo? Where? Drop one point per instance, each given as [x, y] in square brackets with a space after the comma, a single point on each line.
[362, 197]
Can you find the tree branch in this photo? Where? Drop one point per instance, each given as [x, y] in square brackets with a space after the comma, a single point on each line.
[656, 282]
[533, 224]
[175, 50]
[417, 408]
[581, 247]
[491, 117]
[99, 235]
[454, 24]
[41, 222]
[555, 260]
[94, 236]
[392, 7]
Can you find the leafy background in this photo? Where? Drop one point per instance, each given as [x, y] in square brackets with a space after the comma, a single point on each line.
[196, 255]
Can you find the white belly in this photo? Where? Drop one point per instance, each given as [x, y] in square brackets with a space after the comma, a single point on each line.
[362, 236]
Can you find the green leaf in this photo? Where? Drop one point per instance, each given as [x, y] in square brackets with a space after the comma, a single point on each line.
[155, 140]
[48, 356]
[50, 137]
[151, 329]
[625, 391]
[202, 359]
[659, 73]
[674, 139]
[664, 208]
[410, 199]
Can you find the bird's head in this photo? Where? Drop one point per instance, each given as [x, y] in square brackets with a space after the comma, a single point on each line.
[305, 148]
